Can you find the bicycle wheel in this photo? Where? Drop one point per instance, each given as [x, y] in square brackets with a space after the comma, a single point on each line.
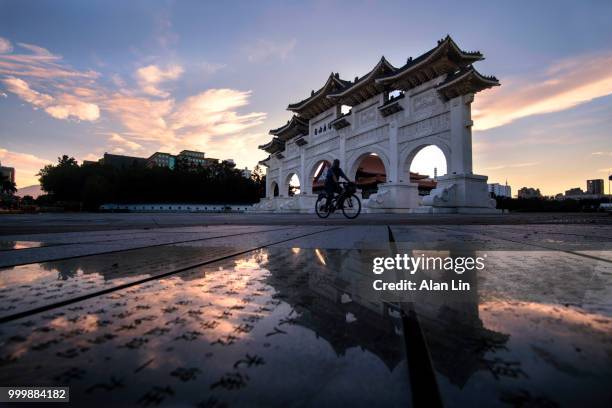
[351, 206]
[321, 207]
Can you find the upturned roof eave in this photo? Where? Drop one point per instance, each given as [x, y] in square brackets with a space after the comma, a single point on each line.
[370, 76]
[427, 57]
[333, 78]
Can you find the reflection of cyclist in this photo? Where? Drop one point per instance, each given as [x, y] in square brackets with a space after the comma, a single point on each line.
[334, 173]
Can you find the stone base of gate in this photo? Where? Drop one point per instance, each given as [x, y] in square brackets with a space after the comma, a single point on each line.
[393, 198]
[301, 203]
[265, 205]
[459, 193]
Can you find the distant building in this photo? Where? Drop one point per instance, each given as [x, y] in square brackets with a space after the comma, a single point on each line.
[578, 194]
[122, 162]
[194, 159]
[8, 172]
[528, 192]
[574, 192]
[500, 190]
[160, 159]
[188, 158]
[246, 173]
[595, 186]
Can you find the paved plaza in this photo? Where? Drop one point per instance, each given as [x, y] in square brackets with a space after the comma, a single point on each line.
[273, 310]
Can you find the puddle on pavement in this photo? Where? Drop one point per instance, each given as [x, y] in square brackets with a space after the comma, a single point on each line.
[30, 286]
[283, 326]
[516, 353]
[267, 329]
[535, 330]
[14, 245]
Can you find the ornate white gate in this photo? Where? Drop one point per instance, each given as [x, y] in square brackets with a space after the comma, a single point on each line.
[394, 113]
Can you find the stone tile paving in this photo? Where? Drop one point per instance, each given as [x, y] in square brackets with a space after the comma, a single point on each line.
[294, 323]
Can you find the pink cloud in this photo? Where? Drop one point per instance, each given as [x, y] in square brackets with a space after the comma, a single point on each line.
[151, 76]
[120, 140]
[5, 46]
[64, 106]
[22, 89]
[145, 115]
[561, 86]
[26, 166]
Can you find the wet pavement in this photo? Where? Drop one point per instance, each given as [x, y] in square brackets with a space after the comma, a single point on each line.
[269, 316]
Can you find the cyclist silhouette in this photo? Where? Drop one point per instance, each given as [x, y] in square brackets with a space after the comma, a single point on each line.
[334, 173]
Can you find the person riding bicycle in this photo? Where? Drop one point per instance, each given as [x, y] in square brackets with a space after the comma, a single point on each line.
[332, 178]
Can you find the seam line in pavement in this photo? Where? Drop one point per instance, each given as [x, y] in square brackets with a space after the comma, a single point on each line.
[567, 251]
[136, 248]
[423, 383]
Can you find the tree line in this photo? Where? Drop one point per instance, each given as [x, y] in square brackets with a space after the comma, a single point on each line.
[91, 185]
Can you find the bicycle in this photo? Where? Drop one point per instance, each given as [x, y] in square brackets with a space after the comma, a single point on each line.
[347, 201]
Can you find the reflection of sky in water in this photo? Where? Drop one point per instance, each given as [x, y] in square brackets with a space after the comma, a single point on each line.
[241, 332]
[523, 354]
[33, 285]
[294, 324]
[9, 245]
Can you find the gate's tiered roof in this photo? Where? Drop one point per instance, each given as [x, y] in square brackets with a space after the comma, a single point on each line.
[317, 102]
[364, 88]
[466, 80]
[446, 58]
[296, 126]
[273, 146]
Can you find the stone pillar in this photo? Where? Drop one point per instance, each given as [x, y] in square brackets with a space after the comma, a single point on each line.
[303, 176]
[281, 180]
[394, 170]
[269, 192]
[342, 149]
[460, 191]
[461, 135]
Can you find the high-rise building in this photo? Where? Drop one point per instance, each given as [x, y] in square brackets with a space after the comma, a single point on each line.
[595, 186]
[500, 190]
[8, 172]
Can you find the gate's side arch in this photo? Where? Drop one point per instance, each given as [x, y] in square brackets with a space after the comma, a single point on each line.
[273, 190]
[408, 153]
[311, 167]
[354, 158]
[284, 183]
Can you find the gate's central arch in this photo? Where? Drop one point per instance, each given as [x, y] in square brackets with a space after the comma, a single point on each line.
[392, 114]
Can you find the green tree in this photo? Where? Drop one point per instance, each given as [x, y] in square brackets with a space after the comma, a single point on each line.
[8, 187]
[64, 180]
[259, 178]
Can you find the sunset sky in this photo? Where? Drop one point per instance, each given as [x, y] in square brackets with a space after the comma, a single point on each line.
[87, 77]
